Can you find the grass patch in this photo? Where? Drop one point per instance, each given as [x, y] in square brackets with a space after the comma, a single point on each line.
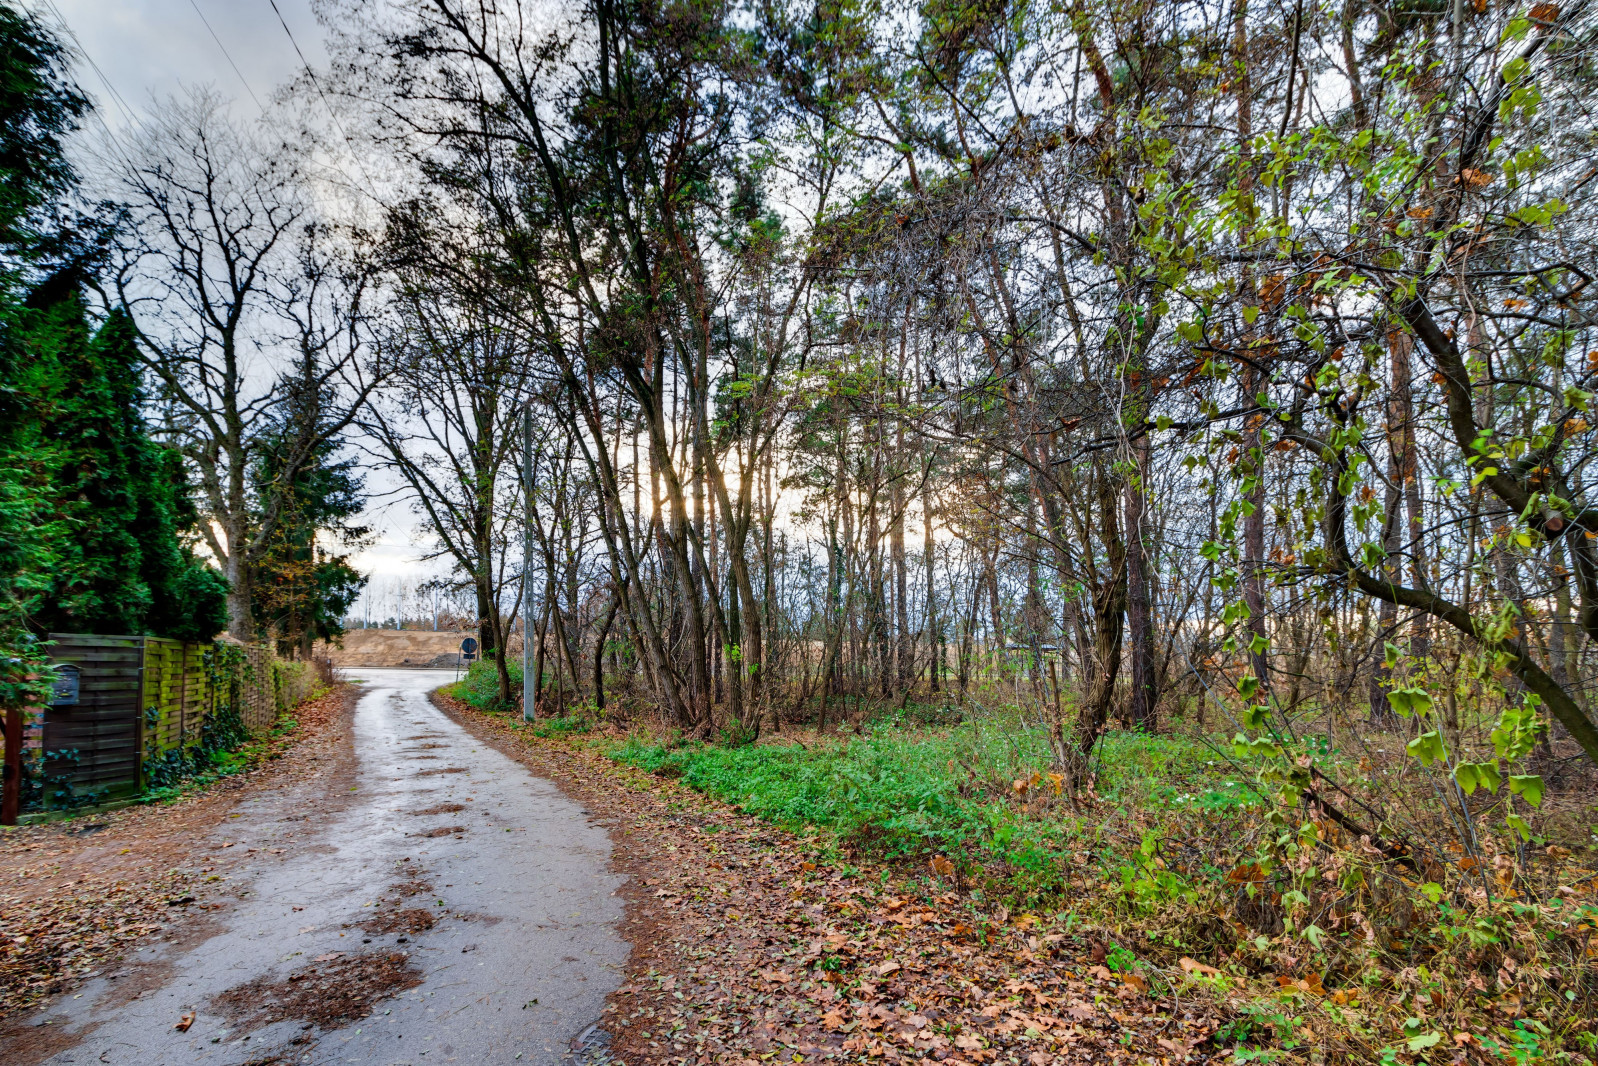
[971, 793]
[1191, 861]
[1181, 851]
[479, 686]
[562, 727]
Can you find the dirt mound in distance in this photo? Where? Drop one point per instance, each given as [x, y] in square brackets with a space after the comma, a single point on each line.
[395, 647]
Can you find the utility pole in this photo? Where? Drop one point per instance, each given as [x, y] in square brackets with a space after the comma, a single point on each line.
[529, 682]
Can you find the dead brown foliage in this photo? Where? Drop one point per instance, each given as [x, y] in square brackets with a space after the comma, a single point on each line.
[330, 991]
[79, 893]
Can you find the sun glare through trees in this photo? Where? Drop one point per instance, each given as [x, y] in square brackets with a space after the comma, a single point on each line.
[1118, 461]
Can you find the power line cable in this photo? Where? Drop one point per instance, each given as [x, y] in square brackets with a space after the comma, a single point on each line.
[311, 74]
[226, 54]
[116, 97]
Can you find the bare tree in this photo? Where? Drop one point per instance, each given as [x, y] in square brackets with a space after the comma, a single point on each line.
[240, 300]
[447, 425]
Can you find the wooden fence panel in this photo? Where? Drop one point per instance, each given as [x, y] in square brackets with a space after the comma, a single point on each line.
[257, 708]
[143, 700]
[292, 683]
[163, 694]
[92, 749]
[196, 694]
[178, 694]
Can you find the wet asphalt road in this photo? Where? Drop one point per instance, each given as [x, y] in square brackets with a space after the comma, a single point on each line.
[518, 964]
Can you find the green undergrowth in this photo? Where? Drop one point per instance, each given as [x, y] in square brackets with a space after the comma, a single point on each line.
[479, 685]
[206, 766]
[479, 688]
[970, 793]
[1164, 860]
[1183, 862]
[1161, 863]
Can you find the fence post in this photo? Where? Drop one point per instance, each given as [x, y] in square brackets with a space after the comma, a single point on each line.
[183, 697]
[11, 794]
[138, 719]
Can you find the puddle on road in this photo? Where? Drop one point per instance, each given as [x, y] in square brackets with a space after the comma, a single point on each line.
[441, 770]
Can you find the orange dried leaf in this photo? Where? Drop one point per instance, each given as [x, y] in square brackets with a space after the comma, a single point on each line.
[1194, 966]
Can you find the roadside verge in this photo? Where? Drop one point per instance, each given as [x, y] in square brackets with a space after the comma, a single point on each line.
[77, 895]
[752, 944]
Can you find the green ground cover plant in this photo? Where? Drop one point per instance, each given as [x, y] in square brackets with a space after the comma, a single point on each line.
[1170, 857]
[1180, 858]
[479, 686]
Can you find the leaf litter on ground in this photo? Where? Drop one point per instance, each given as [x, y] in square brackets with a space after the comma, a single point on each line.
[79, 895]
[749, 948]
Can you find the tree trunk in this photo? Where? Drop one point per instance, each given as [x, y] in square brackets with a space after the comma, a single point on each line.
[539, 654]
[1253, 440]
[1403, 408]
[241, 619]
[1144, 696]
[901, 582]
[602, 634]
[934, 633]
[1109, 610]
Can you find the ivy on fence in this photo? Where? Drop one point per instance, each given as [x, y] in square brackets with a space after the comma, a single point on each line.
[197, 705]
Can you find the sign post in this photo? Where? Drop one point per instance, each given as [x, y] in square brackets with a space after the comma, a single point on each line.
[468, 653]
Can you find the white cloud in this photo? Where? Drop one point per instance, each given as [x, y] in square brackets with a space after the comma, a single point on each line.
[134, 52]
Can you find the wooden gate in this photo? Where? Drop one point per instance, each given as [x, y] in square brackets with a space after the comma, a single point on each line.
[91, 748]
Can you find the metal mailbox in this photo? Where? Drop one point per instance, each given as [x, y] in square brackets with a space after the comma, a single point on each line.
[65, 689]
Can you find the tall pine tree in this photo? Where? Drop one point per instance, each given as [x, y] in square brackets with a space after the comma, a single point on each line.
[115, 499]
[93, 512]
[303, 586]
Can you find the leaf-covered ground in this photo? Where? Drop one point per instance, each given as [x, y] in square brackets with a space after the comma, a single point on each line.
[748, 949]
[75, 896]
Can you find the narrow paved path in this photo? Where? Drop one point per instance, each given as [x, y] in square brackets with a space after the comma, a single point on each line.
[492, 888]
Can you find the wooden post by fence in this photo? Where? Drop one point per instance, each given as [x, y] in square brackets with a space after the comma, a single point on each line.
[11, 790]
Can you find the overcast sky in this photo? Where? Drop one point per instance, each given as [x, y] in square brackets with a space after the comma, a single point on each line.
[153, 48]
[134, 51]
